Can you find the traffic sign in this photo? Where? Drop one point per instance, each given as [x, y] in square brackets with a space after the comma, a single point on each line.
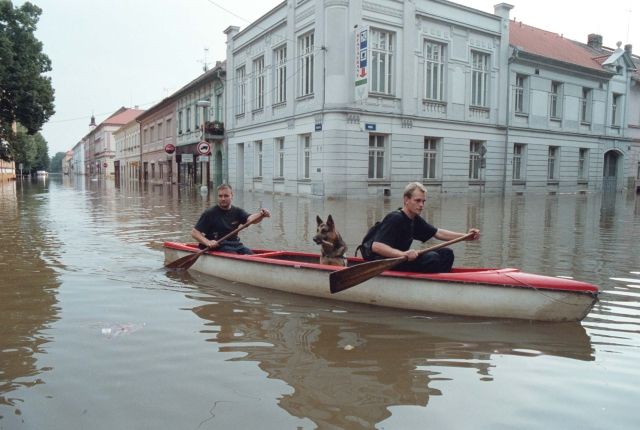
[204, 148]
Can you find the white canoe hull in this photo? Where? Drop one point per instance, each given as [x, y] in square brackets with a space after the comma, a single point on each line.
[403, 292]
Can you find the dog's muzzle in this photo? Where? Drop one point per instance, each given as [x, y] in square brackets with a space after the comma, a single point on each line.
[317, 240]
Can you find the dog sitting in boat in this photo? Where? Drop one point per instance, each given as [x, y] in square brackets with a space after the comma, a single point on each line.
[332, 247]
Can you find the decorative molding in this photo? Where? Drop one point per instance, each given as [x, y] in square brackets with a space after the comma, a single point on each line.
[291, 124]
[407, 123]
[305, 14]
[336, 3]
[387, 11]
[353, 118]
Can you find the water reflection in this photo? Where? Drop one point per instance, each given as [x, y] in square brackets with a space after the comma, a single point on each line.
[28, 286]
[348, 366]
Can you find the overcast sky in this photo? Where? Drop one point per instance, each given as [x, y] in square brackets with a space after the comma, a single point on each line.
[111, 53]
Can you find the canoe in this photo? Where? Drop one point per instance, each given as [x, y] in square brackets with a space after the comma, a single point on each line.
[475, 292]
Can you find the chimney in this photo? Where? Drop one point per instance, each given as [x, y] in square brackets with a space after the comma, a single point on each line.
[627, 49]
[502, 10]
[594, 41]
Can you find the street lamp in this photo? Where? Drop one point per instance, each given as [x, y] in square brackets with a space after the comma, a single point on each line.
[204, 104]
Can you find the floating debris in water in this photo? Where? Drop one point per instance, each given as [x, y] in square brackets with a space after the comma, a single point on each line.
[120, 329]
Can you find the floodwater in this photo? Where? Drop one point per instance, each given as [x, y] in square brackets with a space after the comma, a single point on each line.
[95, 334]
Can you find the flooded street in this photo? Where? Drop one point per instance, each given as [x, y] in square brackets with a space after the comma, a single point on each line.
[96, 334]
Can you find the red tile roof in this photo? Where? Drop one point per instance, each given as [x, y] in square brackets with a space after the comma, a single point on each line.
[122, 116]
[551, 45]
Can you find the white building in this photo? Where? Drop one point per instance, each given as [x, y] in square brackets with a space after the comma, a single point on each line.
[352, 98]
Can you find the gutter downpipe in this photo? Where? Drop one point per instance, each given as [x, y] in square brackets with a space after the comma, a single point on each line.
[511, 59]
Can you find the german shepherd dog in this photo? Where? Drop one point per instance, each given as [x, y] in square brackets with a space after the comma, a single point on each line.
[332, 247]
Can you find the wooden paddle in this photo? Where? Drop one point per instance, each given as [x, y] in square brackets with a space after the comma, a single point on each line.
[183, 263]
[348, 277]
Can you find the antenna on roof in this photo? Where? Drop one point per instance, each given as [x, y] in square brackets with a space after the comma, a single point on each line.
[204, 62]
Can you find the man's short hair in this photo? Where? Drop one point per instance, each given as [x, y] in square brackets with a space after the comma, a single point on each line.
[224, 187]
[411, 187]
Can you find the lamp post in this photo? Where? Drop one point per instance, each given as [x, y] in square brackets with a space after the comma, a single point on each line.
[204, 104]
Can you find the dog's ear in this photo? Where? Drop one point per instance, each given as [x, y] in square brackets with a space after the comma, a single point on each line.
[330, 222]
[319, 220]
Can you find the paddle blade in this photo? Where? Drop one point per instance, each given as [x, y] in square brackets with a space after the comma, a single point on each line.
[340, 280]
[183, 263]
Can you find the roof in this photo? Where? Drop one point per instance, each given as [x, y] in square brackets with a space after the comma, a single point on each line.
[122, 116]
[551, 45]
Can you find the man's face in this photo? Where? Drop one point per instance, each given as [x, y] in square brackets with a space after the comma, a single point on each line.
[225, 196]
[415, 203]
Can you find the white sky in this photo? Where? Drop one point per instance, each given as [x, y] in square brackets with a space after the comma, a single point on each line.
[112, 53]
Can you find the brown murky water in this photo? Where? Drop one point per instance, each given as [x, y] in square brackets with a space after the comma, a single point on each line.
[94, 333]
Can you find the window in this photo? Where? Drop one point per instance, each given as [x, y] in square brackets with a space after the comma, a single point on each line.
[305, 162]
[188, 115]
[552, 166]
[241, 89]
[518, 161]
[585, 106]
[479, 78]
[258, 83]
[615, 110]
[476, 149]
[430, 157]
[306, 47]
[519, 93]
[218, 111]
[555, 100]
[381, 43]
[376, 156]
[434, 71]
[196, 124]
[180, 122]
[159, 128]
[152, 134]
[279, 157]
[280, 81]
[583, 163]
[258, 149]
[168, 130]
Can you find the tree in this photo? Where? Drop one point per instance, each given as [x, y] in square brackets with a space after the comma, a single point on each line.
[31, 150]
[26, 95]
[56, 162]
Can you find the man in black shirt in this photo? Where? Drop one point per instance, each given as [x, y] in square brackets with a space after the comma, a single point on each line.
[399, 228]
[217, 221]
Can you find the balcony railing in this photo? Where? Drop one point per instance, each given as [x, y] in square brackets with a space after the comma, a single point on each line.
[215, 128]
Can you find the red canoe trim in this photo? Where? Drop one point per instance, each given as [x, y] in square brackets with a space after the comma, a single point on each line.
[509, 277]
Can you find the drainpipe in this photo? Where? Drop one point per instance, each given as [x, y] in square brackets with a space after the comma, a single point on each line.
[511, 59]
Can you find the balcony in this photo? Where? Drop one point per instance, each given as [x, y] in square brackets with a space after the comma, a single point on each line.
[214, 128]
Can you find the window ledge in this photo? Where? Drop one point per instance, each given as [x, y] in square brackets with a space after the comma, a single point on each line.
[257, 179]
[553, 182]
[383, 95]
[583, 181]
[522, 114]
[305, 97]
[476, 181]
[519, 182]
[304, 180]
[378, 182]
[278, 180]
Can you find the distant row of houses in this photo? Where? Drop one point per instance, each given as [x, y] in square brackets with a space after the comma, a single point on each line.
[346, 99]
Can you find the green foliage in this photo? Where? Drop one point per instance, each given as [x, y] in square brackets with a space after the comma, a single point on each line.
[26, 95]
[56, 162]
[31, 150]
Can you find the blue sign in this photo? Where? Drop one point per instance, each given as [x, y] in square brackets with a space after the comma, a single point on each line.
[370, 127]
[318, 126]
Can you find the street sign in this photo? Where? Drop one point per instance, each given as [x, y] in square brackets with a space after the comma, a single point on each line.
[202, 159]
[186, 158]
[362, 67]
[204, 148]
[169, 148]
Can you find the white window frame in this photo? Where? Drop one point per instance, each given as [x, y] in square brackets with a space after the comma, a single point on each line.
[616, 106]
[520, 94]
[430, 159]
[306, 65]
[555, 100]
[377, 156]
[258, 158]
[381, 61]
[280, 75]
[188, 117]
[553, 163]
[475, 160]
[480, 62]
[241, 90]
[305, 156]
[583, 164]
[279, 157]
[519, 163]
[585, 105]
[258, 83]
[434, 67]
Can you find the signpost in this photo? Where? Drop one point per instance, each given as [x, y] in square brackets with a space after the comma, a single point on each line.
[362, 67]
